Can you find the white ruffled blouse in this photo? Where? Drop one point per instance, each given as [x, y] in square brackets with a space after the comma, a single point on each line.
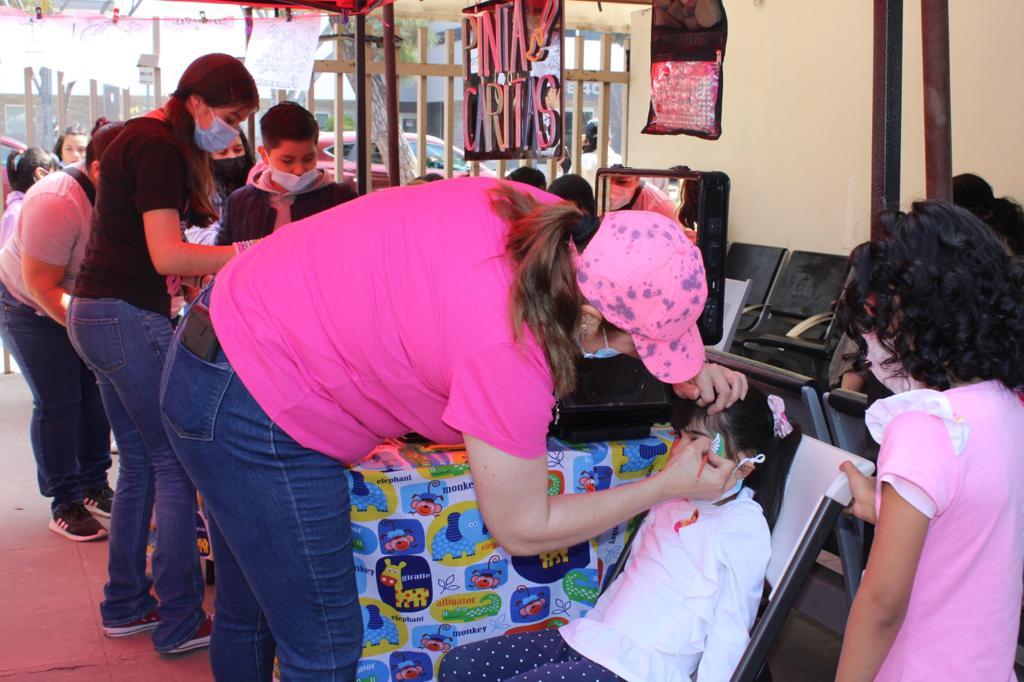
[928, 401]
[687, 597]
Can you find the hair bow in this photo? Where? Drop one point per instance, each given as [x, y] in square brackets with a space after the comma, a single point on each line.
[782, 427]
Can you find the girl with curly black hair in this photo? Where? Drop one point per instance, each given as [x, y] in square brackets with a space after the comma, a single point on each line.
[936, 308]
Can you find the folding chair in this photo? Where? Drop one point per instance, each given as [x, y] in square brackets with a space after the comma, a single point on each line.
[760, 264]
[844, 411]
[795, 329]
[816, 494]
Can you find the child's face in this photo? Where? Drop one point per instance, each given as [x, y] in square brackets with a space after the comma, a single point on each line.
[888, 374]
[291, 156]
[699, 428]
[235, 150]
[621, 189]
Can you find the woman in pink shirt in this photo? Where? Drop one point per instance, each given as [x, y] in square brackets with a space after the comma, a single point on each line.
[937, 309]
[455, 309]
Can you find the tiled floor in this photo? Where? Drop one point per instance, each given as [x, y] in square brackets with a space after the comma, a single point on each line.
[50, 588]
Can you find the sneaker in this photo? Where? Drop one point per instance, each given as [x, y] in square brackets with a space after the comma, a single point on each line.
[200, 639]
[147, 622]
[75, 523]
[99, 501]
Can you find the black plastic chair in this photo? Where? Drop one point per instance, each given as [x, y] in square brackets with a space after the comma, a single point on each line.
[844, 411]
[760, 264]
[794, 329]
[802, 394]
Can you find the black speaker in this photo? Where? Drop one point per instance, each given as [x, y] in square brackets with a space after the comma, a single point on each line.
[711, 240]
[615, 399]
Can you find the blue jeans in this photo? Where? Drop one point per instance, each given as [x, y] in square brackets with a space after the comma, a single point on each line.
[125, 347]
[69, 431]
[280, 528]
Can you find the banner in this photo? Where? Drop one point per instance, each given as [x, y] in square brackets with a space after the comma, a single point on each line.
[281, 53]
[513, 99]
[109, 50]
[27, 41]
[187, 39]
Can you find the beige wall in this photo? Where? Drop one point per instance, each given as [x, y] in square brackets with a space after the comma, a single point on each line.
[796, 135]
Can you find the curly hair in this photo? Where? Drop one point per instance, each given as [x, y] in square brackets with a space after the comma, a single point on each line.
[943, 297]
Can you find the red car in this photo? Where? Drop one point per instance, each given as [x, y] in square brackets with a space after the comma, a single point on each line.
[378, 169]
[8, 146]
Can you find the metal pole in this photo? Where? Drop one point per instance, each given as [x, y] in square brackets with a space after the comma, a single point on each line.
[391, 78]
[938, 136]
[250, 124]
[362, 132]
[95, 111]
[62, 104]
[886, 112]
[339, 105]
[30, 113]
[158, 92]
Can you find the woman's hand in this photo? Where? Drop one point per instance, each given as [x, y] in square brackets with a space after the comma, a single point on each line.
[687, 475]
[512, 493]
[716, 386]
[863, 489]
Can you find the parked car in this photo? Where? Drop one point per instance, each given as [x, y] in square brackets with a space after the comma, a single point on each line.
[8, 146]
[378, 167]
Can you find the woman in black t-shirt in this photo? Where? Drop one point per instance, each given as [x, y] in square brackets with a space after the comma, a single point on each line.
[153, 177]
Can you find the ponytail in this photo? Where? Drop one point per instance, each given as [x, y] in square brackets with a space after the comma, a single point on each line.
[199, 179]
[12, 166]
[545, 296]
[768, 480]
[21, 167]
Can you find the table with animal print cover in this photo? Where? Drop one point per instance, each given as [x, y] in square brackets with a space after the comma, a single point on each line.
[430, 576]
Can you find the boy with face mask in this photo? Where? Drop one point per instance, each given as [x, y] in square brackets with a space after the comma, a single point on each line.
[290, 188]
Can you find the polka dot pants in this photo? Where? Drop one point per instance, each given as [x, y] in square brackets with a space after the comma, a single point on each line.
[528, 657]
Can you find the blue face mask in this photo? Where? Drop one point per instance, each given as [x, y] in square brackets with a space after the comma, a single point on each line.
[758, 459]
[218, 136]
[600, 353]
[295, 183]
[732, 491]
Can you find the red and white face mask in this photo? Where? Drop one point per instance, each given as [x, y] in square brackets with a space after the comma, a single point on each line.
[891, 375]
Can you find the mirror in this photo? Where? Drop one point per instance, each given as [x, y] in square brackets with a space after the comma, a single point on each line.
[698, 201]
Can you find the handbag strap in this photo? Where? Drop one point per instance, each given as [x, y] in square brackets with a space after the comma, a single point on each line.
[84, 182]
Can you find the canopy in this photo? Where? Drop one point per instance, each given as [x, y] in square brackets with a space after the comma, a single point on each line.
[346, 6]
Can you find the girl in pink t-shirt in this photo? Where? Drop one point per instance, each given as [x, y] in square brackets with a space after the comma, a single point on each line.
[937, 310]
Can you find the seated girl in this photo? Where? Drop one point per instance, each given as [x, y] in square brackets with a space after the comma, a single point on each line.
[690, 589]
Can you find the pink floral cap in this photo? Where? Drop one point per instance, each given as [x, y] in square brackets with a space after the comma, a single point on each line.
[646, 278]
